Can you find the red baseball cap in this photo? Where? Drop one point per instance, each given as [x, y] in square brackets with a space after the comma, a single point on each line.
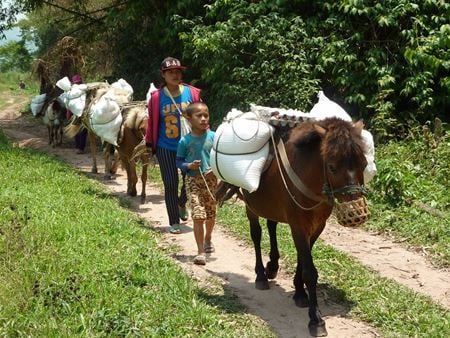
[171, 63]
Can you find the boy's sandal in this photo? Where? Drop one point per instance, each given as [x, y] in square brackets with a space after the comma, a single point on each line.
[200, 260]
[183, 215]
[209, 247]
[175, 229]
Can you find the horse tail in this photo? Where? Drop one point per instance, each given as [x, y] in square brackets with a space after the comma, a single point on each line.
[225, 191]
[140, 150]
[73, 127]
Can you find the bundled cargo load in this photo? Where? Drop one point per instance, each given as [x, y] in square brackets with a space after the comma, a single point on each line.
[37, 103]
[240, 149]
[241, 144]
[98, 104]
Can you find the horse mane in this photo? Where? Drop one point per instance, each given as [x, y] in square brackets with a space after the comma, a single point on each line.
[337, 138]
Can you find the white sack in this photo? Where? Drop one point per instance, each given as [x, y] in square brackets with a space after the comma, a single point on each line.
[75, 99]
[109, 132]
[240, 149]
[371, 169]
[64, 84]
[241, 170]
[104, 110]
[150, 91]
[106, 119]
[326, 108]
[36, 103]
[122, 91]
[241, 136]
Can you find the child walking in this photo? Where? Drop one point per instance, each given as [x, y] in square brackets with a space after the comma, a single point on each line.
[193, 158]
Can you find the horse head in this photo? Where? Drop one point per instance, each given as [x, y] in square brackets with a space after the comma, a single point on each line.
[342, 151]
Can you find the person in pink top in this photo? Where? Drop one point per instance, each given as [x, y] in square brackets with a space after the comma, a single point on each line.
[164, 132]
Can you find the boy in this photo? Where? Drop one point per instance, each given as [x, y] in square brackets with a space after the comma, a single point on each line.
[193, 158]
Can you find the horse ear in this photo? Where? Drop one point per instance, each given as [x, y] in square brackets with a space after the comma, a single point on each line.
[359, 126]
[320, 130]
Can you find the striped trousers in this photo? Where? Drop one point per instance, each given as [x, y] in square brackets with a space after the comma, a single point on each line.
[170, 177]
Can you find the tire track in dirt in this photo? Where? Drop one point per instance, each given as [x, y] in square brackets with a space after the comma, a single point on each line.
[233, 262]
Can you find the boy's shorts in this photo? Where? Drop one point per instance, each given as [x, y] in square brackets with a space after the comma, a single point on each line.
[203, 205]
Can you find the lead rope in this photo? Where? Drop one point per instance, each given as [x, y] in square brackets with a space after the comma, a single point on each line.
[284, 180]
[204, 180]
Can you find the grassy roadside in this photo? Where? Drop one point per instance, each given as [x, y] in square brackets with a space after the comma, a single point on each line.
[73, 263]
[10, 93]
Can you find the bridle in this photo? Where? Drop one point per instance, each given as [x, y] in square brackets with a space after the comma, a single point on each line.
[327, 190]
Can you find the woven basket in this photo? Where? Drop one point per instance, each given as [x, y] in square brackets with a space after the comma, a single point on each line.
[353, 213]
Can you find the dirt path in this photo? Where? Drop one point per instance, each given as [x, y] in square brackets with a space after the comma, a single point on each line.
[233, 262]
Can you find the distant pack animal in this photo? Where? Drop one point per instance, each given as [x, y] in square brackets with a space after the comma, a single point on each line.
[318, 167]
[132, 133]
[54, 118]
[95, 91]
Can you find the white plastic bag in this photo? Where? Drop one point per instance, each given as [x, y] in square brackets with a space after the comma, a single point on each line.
[240, 149]
[326, 108]
[37, 103]
[241, 170]
[64, 84]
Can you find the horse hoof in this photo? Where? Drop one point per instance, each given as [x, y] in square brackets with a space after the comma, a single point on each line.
[94, 170]
[143, 200]
[301, 301]
[262, 285]
[271, 271]
[318, 330]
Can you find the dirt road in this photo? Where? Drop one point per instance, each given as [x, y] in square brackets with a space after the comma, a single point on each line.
[233, 262]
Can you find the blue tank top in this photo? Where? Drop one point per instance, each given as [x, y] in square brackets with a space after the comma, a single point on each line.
[169, 118]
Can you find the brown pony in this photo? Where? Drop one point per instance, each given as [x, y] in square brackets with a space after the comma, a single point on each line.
[323, 161]
[132, 133]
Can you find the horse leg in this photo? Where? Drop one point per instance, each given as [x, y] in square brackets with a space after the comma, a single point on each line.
[60, 139]
[49, 129]
[133, 178]
[300, 296]
[272, 265]
[53, 137]
[93, 146]
[309, 276]
[108, 155]
[261, 282]
[144, 175]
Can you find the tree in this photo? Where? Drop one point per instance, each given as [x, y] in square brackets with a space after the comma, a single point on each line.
[15, 56]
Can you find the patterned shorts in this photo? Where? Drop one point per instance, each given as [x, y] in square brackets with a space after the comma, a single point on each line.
[203, 205]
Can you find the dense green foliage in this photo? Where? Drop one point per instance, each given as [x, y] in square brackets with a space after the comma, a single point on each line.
[73, 263]
[14, 56]
[387, 62]
[410, 194]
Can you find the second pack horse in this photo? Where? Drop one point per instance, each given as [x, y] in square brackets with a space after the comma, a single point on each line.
[318, 167]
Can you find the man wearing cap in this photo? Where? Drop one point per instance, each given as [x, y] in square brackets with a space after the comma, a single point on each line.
[165, 107]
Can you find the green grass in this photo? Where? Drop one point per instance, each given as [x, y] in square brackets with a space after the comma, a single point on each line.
[74, 263]
[10, 93]
[410, 197]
